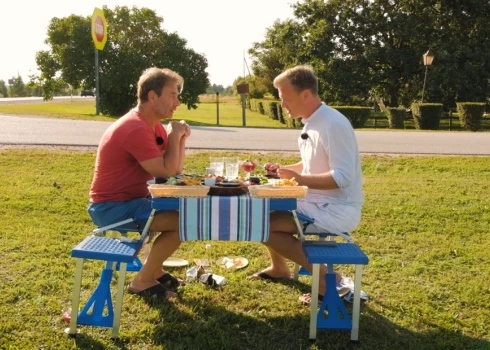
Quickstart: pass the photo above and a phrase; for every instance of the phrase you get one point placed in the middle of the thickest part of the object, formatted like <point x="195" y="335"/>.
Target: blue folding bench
<point x="120" y="254"/>
<point x="332" y="313"/>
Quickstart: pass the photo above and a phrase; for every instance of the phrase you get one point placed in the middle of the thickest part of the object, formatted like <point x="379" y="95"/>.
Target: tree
<point x="3" y="89"/>
<point x="17" y="88"/>
<point x="281" y="48"/>
<point x="135" y="42"/>
<point x="374" y="48"/>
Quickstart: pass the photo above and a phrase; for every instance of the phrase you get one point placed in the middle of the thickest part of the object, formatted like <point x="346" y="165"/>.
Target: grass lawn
<point x="230" y="114"/>
<point x="425" y="229"/>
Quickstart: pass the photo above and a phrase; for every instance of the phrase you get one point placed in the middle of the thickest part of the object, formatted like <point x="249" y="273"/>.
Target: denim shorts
<point x="108" y="213"/>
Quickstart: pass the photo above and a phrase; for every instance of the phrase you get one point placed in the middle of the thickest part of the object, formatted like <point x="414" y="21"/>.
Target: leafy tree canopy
<point x="373" y="49"/>
<point x="17" y="88"/>
<point x="136" y="41"/>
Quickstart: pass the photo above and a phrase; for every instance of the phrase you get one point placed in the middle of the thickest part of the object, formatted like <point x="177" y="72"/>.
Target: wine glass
<point x="248" y="166"/>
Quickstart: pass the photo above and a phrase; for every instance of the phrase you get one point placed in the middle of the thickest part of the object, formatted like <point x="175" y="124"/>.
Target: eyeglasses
<point x="159" y="140"/>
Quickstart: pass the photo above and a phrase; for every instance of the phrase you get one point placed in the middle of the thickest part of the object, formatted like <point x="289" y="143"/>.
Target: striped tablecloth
<point x="234" y="218"/>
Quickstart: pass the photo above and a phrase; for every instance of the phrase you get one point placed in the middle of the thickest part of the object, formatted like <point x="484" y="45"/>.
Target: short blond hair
<point x="300" y="77"/>
<point x="154" y="79"/>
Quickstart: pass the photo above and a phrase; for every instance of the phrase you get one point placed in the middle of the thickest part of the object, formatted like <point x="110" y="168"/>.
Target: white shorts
<point x="336" y="218"/>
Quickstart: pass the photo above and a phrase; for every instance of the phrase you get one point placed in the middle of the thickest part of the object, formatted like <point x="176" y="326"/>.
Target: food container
<point x="157" y="190"/>
<point x="268" y="191"/>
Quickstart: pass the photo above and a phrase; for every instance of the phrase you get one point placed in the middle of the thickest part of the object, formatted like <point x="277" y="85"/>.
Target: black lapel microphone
<point x="159" y="140"/>
<point x="304" y="136"/>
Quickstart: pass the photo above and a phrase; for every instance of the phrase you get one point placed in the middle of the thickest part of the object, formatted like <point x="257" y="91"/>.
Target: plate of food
<point x="228" y="184"/>
<point x="175" y="262"/>
<point x="232" y="262"/>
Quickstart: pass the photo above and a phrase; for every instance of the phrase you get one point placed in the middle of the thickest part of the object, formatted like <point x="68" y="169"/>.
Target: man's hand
<point x="187" y="128"/>
<point x="178" y="129"/>
<point x="271" y="168"/>
<point x="284" y="173"/>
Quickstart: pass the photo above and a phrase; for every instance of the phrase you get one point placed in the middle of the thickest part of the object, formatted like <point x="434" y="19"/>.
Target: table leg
<point x="146" y="230"/>
<point x="119" y="300"/>
<point x="314" y="300"/>
<point x="76" y="297"/>
<point x="357" y="304"/>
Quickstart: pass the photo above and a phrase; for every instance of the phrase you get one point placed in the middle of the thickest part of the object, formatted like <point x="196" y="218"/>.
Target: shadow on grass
<point x="378" y="332"/>
<point x="215" y="327"/>
<point x="84" y="341"/>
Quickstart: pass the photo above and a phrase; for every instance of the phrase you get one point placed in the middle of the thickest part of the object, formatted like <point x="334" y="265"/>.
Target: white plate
<point x="232" y="262"/>
<point x="175" y="262"/>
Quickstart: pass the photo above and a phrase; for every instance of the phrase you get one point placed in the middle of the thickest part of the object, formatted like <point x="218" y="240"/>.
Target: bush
<point x="260" y="107"/>
<point x="273" y="113"/>
<point x="357" y="116"/>
<point x="427" y="116"/>
<point x="280" y="113"/>
<point x="396" y="117"/>
<point x="471" y="114"/>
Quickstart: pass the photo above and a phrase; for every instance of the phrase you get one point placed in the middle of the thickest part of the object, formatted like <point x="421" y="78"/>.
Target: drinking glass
<point x="231" y="167"/>
<point x="248" y="166"/>
<point x="217" y="163"/>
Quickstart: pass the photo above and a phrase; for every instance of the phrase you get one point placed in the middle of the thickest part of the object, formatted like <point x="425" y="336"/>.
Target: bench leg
<point x="295" y="272"/>
<point x="314" y="300"/>
<point x="75" y="301"/>
<point x="119" y="300"/>
<point x="354" y="335"/>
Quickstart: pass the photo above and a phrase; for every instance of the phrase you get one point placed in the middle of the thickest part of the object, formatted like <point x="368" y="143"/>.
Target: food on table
<point x="217" y="177"/>
<point x="184" y="181"/>
<point x="286" y="182"/>
<point x="254" y="180"/>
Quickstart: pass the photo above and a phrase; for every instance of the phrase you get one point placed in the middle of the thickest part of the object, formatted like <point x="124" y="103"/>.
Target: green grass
<point x="425" y="229"/>
<point x="230" y="114"/>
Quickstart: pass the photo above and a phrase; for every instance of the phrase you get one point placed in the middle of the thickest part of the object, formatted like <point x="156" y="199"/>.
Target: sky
<point x="221" y="30"/>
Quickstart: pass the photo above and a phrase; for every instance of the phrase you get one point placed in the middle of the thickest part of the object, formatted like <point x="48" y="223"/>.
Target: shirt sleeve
<point x="141" y="144"/>
<point x="341" y="148"/>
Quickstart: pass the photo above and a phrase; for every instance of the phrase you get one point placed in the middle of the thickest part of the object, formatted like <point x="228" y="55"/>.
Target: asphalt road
<point x="27" y="130"/>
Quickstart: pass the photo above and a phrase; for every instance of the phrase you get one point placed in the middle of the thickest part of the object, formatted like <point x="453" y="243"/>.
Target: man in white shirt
<point x="330" y="166"/>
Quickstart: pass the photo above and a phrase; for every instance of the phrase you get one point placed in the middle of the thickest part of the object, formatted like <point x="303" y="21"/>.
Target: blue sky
<point x="222" y="30"/>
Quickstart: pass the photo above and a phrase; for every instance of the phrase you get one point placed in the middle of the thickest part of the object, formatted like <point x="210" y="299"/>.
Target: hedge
<point x="471" y="114"/>
<point x="427" y="116"/>
<point x="396" y="117"/>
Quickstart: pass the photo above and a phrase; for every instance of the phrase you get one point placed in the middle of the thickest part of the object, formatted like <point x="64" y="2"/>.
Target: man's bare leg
<point x="164" y="246"/>
<point x="283" y="245"/>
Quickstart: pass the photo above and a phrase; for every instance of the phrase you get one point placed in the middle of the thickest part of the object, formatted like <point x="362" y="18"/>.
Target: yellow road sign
<point x="99" y="29"/>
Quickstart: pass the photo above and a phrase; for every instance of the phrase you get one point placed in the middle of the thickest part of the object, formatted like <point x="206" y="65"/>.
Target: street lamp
<point x="428" y="58"/>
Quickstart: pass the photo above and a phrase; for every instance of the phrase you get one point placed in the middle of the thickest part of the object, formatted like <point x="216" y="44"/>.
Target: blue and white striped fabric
<point x="233" y="218"/>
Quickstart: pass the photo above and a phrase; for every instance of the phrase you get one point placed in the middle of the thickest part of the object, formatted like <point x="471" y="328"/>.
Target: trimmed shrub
<point x="357" y="116"/>
<point x="273" y="110"/>
<point x="471" y="114"/>
<point x="260" y="107"/>
<point x="426" y="116"/>
<point x="280" y="113"/>
<point x="396" y="117"/>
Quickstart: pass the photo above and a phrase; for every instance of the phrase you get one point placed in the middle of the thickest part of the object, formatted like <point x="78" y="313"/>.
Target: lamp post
<point x="428" y="58"/>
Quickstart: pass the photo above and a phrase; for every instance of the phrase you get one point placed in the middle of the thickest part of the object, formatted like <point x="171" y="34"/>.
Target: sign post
<point x="243" y="90"/>
<point x="99" y="36"/>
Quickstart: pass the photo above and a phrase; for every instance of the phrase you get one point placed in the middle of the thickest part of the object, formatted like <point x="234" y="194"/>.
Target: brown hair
<point x="154" y="79"/>
<point x="300" y="77"/>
